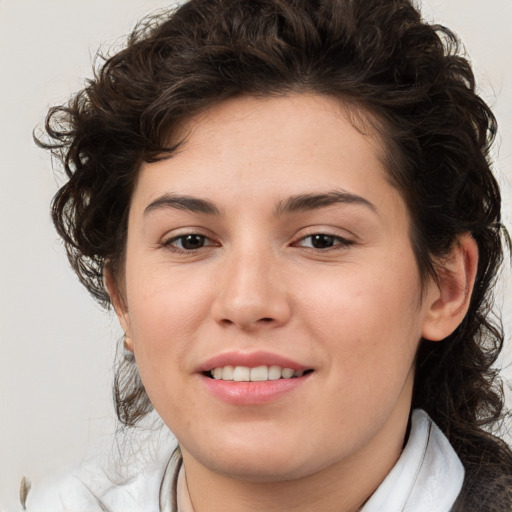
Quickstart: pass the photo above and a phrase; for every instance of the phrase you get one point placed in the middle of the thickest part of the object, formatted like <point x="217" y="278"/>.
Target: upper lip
<point x="251" y="360"/>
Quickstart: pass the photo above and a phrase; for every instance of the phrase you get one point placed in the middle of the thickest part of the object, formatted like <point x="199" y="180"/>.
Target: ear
<point x="448" y="298"/>
<point x="120" y="306"/>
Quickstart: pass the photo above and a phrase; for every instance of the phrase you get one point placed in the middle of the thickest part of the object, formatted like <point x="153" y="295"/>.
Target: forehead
<point x="272" y="148"/>
<point x="286" y="121"/>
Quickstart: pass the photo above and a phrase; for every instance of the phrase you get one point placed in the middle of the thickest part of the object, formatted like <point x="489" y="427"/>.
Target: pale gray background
<point x="56" y="345"/>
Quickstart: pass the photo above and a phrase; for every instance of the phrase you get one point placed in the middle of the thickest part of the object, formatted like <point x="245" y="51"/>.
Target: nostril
<point x="248" y="324"/>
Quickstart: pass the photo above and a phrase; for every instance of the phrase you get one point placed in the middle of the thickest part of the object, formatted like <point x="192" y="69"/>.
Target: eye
<point x="188" y="242"/>
<point x="323" y="241"/>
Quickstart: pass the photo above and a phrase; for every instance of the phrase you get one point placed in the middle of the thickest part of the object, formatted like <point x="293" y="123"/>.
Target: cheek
<point x="164" y="320"/>
<point x="165" y="311"/>
<point x="160" y="298"/>
<point x="369" y="319"/>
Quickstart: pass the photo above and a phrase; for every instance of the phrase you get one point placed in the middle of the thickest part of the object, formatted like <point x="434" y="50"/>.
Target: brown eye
<point x="188" y="242"/>
<point x="322" y="241"/>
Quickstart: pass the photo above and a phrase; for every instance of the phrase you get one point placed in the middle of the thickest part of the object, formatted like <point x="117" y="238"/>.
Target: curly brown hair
<point x="378" y="55"/>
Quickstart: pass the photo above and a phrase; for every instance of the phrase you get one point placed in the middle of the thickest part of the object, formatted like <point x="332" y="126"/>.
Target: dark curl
<point x="379" y="58"/>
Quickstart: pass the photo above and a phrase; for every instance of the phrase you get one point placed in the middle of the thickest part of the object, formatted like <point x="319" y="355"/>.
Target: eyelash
<point x="336" y="241"/>
<point x="168" y="244"/>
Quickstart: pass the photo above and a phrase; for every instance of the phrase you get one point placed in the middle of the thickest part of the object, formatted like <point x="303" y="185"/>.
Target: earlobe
<point x="449" y="296"/>
<point x="119" y="304"/>
<point x="128" y="343"/>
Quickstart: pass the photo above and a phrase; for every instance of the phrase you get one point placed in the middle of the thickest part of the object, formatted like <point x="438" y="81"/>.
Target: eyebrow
<point x="292" y="204"/>
<point x="187" y="203"/>
<point x="304" y="202"/>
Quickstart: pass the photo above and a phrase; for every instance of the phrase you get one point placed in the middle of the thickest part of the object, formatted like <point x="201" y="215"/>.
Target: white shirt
<point x="427" y="477"/>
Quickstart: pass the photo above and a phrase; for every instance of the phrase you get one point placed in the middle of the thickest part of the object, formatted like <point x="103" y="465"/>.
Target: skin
<point x="353" y="312"/>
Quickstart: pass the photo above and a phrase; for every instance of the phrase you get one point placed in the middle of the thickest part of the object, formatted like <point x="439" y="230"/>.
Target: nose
<point x="251" y="293"/>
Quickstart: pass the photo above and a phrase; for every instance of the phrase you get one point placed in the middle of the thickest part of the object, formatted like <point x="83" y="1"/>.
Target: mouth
<point x="254" y="378"/>
<point x="260" y="373"/>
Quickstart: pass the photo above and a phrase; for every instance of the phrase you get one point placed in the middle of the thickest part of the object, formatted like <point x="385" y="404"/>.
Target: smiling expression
<point x="272" y="245"/>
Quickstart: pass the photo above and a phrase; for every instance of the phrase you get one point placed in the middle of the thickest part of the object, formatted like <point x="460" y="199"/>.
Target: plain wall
<point x="56" y="345"/>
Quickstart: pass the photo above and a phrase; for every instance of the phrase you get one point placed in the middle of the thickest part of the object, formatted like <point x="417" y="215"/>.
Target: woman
<point x="289" y="205"/>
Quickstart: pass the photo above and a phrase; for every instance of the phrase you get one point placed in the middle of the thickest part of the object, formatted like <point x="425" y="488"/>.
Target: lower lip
<point x="251" y="393"/>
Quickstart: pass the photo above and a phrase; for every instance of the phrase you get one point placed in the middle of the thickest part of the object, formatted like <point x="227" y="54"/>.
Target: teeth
<point x="287" y="373"/>
<point x="241" y="374"/>
<point x="257" y="374"/>
<point x="274" y="372"/>
<point x="227" y="373"/>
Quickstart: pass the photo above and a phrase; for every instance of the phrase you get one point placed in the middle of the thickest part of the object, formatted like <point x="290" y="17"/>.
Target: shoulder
<point x="62" y="492"/>
<point x="124" y="479"/>
<point x="92" y="489"/>
<point x="488" y="482"/>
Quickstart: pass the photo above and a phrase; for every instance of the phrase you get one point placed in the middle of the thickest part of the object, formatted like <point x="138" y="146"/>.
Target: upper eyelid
<point x="185" y="231"/>
<point x="168" y="240"/>
<point x="336" y="232"/>
<point x="343" y="239"/>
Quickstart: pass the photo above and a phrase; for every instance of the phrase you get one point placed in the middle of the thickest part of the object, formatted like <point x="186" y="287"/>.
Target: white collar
<point x="428" y="475"/>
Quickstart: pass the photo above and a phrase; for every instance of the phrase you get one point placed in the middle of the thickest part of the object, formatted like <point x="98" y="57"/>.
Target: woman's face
<point x="273" y="244"/>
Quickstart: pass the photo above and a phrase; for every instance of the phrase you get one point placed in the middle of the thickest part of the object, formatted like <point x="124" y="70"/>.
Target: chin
<point x="261" y="471"/>
<point x="261" y="463"/>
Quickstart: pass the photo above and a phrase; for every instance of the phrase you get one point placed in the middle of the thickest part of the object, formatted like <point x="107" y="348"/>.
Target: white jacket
<point x="427" y="477"/>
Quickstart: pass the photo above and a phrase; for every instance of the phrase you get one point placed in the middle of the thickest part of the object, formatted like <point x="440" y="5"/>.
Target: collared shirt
<point x="427" y="477"/>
